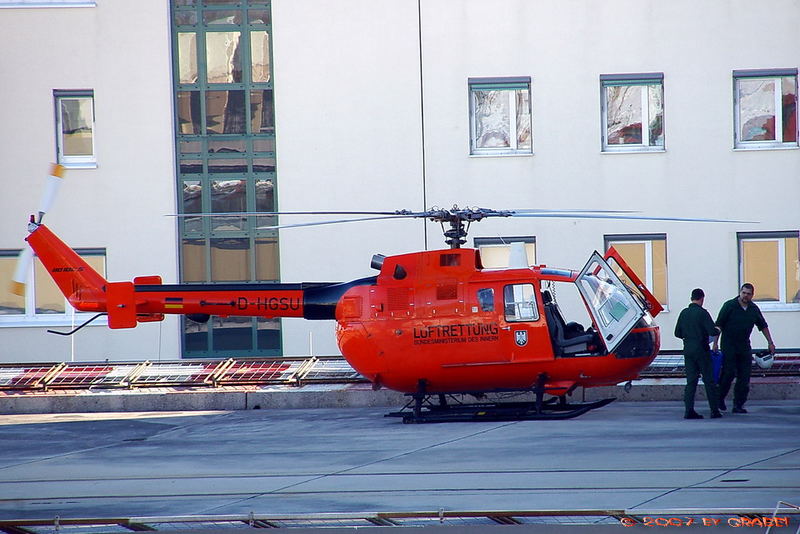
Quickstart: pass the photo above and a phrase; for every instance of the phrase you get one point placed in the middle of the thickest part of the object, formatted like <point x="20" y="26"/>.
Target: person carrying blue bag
<point x="695" y="327"/>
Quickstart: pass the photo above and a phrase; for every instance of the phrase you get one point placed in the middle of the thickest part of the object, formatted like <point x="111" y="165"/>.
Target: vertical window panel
<point x="757" y="109"/>
<point x="192" y="202"/>
<point x="760" y="268"/>
<point x="789" y="108"/>
<point x="656" y="114"/>
<point x="659" y="263"/>
<point x="624" y="104"/>
<point x="10" y="304"/>
<point x="187" y="57"/>
<point x="259" y="54"/>
<point x="223" y="60"/>
<point x="262" y="112"/>
<point x="230" y="260"/>
<point x="194" y="260"/>
<point x="492" y="124"/>
<point x="228" y="196"/>
<point x="266" y="259"/>
<point x="269" y="333"/>
<point x="792" y="269"/>
<point x="265" y="202"/>
<point x="189" y="112"/>
<point x="225" y="112"/>
<point x="48" y="297"/>
<point x="646" y="255"/>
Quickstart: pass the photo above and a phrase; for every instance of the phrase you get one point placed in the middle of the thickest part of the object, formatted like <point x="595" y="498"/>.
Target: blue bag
<point x="716" y="364"/>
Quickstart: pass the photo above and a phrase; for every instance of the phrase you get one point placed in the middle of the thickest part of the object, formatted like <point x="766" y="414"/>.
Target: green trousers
<point x="698" y="363"/>
<point x="736" y="363"/>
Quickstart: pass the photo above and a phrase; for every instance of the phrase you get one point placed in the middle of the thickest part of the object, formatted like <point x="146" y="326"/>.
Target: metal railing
<point x="290" y="371"/>
<point x="783" y="515"/>
<point x="213" y="373"/>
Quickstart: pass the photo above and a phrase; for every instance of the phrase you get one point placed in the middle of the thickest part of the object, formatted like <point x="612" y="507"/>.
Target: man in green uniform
<point x="694" y="327"/>
<point x="736" y="320"/>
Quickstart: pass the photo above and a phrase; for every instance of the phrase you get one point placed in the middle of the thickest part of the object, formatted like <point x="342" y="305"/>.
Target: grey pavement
<point x="278" y="461"/>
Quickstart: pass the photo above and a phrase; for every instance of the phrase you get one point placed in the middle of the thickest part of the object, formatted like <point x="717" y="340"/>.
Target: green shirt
<point x="694" y="327"/>
<point x="737" y="324"/>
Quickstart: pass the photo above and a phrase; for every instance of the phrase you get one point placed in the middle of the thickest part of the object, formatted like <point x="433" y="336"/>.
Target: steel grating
<point x="784" y="514"/>
<point x="256" y="371"/>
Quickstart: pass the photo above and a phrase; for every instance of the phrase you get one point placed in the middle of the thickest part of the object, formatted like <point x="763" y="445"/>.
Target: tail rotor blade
<point x="21" y="272"/>
<point x="54" y="182"/>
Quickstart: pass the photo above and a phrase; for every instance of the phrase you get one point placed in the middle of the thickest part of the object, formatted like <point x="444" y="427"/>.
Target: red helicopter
<point x="430" y="324"/>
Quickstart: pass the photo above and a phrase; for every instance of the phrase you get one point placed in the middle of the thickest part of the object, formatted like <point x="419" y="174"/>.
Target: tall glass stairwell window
<point x="225" y="139"/>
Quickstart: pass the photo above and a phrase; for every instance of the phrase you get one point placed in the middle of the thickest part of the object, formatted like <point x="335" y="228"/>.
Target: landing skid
<point x="424" y="410"/>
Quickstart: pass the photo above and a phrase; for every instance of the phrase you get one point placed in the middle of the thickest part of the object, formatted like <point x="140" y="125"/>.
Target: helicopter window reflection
<point x="486" y="299"/>
<point x="520" y="303"/>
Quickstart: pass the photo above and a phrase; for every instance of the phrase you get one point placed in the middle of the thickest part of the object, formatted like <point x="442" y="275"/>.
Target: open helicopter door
<point x="614" y="309"/>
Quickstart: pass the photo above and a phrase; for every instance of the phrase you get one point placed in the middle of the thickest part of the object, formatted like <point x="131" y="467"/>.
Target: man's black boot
<point x="739" y="409"/>
<point x="722" y="406"/>
<point x="716" y="414"/>
<point x="692" y="415"/>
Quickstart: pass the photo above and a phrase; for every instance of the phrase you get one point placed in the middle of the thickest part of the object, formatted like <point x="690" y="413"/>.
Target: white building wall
<point x="121" y="51"/>
<point x="352" y="104"/>
<point x="565" y="47"/>
<point x="348" y="123"/>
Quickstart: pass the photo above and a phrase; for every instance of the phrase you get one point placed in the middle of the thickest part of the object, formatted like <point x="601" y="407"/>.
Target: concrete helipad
<point x="625" y="456"/>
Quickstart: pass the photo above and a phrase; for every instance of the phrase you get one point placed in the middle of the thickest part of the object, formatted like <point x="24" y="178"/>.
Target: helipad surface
<point x="623" y="456"/>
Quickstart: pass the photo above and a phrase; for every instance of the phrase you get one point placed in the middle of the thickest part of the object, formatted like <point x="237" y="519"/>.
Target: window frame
<point x="649" y="274"/>
<point x="70" y="317"/>
<point x="777" y="75"/>
<point x="642" y="80"/>
<point x="511" y="84"/>
<point x="68" y="161"/>
<point x="780" y="237"/>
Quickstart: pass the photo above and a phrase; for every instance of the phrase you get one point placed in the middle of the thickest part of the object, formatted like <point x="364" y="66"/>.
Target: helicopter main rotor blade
<point x="333" y="221"/>
<point x="627" y="217"/>
<point x="397" y="213"/>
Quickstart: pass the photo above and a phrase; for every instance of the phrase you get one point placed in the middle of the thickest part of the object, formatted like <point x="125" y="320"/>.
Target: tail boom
<point x="146" y="299"/>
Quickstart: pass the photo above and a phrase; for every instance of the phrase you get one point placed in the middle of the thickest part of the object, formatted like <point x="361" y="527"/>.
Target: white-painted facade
<point x="372" y="113"/>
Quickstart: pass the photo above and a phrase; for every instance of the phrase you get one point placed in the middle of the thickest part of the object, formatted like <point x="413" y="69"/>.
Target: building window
<point x="646" y="255"/>
<point x="75" y="128"/>
<point x="765" y="103"/>
<point x="496" y="251"/>
<point x="225" y="148"/>
<point x="771" y="262"/>
<point x="42" y="303"/>
<point x="500" y="116"/>
<point x="632" y="112"/>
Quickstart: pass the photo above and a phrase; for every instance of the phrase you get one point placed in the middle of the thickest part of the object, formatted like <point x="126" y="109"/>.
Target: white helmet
<point x="764" y="359"/>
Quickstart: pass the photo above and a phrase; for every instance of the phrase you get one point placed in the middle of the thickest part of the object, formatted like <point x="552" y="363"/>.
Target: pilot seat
<point x="568" y="339"/>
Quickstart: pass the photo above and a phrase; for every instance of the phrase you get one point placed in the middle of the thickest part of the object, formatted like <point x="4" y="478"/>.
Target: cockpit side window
<point x="520" y="303"/>
<point x="486" y="299"/>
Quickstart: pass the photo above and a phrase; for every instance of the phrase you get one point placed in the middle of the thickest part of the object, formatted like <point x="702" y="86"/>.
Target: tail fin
<point x="83" y="286"/>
